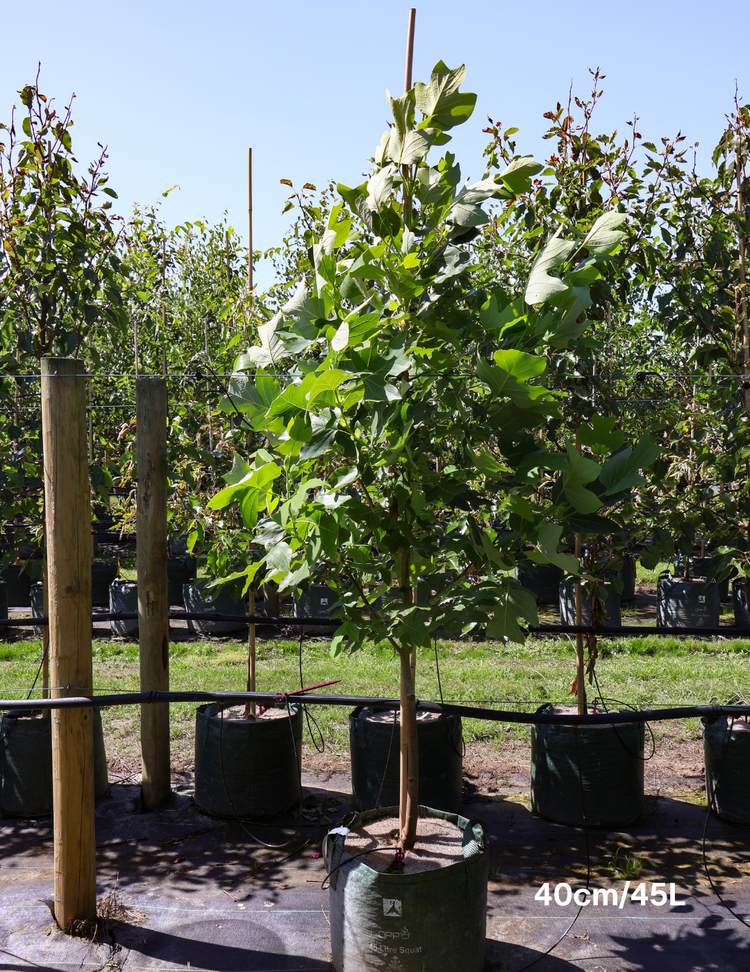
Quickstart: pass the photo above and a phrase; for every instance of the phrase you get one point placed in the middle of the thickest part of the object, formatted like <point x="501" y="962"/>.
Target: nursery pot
<point x="568" y="604"/>
<point x="628" y="578"/>
<point x="37" y="606"/>
<point x="26" y="763"/>
<point x="374" y="748"/>
<point x="18" y="582"/>
<point x="102" y="576"/>
<point x="179" y="572"/>
<point x="687" y="604"/>
<point x="202" y="600"/>
<point x="123" y="599"/>
<point x="699" y="567"/>
<point x="247" y="768"/>
<point x="433" y="920"/>
<point x="726" y="753"/>
<point x="543" y="580"/>
<point x="599" y="768"/>
<point x="316" y="602"/>
<point x="739" y="603"/>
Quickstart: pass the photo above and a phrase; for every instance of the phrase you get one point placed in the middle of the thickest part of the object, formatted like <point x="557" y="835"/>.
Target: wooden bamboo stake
<point x="249" y="244"/>
<point x="741" y="203"/>
<point x="153" y="600"/>
<point x="410" y="670"/>
<point x="250" y="709"/>
<point x="580" y="671"/>
<point x="68" y="524"/>
<point x="410" y="48"/>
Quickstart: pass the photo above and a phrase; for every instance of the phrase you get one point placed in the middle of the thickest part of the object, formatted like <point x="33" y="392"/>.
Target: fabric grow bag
<point x="316" y="602"/>
<point x="686" y="604"/>
<point x="432" y="921"/>
<point x="18" y="580"/>
<point x="179" y="572"/>
<point x="261" y="764"/>
<point x="699" y="567"/>
<point x="726" y="753"/>
<point x="26" y="763"/>
<point x="200" y="599"/>
<point x="568" y="604"/>
<point x="123" y="598"/>
<point x="440" y="761"/>
<point x="543" y="580"/>
<point x="739" y="603"/>
<point x="627" y="574"/>
<point x="102" y="576"/>
<point x="610" y="784"/>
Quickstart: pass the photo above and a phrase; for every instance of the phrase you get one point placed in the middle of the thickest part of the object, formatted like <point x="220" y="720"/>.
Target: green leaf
<point x="341" y="338"/>
<point x="517" y="174"/>
<point x="542" y="286"/>
<point x="514" y="602"/>
<point x="600" y="436"/>
<point x="548" y="541"/>
<point x="441" y="102"/>
<point x="604" y="236"/>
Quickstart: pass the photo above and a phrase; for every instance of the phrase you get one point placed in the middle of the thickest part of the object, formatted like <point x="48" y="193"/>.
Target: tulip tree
<point x="399" y="408"/>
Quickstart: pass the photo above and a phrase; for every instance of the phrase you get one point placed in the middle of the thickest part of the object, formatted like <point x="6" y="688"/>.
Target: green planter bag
<point x="610" y="782"/>
<point x="26" y="763"/>
<point x="247" y="769"/>
<point x="726" y="754"/>
<point x="431" y="921"/>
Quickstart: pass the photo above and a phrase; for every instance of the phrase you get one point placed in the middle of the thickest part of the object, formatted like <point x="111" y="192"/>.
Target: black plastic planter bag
<point x="200" y="599"/>
<point x="543" y="580"/>
<point x="686" y="604"/>
<point x="123" y="599"/>
<point x="608" y="595"/>
<point x="179" y="572"/>
<point x="610" y="784"/>
<point x="26" y="763"/>
<point x="432" y="921"/>
<point x="739" y="603"/>
<point x="375" y="755"/>
<point x="247" y="769"/>
<point x="727" y="758"/>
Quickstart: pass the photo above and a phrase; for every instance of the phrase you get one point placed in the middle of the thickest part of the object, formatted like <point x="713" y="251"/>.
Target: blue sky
<point x="179" y="91"/>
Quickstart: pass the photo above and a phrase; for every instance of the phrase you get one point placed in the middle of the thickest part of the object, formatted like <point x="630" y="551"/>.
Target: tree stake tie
<point x="280" y="697"/>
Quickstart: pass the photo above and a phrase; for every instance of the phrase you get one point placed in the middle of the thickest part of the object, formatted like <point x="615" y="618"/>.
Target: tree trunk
<point x="408" y="810"/>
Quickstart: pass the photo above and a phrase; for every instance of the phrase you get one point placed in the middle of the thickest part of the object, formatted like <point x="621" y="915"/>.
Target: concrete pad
<point x="187" y="891"/>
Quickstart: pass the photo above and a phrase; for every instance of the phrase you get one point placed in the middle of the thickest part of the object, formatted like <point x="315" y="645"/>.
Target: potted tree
<point x="398" y="393"/>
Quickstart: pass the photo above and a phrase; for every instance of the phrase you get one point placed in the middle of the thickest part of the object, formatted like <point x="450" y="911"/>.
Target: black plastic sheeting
<point x="726" y="751"/>
<point x="375" y="753"/>
<point x="247" y="768"/>
<point x="590" y="775"/>
<point x="430" y="920"/>
<point x="26" y="764"/>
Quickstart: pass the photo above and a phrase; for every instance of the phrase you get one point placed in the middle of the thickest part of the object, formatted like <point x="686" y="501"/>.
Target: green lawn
<point x="646" y="672"/>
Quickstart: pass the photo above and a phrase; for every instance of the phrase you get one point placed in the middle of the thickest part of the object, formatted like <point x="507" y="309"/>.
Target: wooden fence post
<point x="153" y="600"/>
<point x="68" y="529"/>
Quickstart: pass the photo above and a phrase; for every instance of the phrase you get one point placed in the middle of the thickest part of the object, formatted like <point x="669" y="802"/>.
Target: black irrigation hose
<point x="469" y="712"/>
<point x="633" y="630"/>
<point x="259" y="619"/>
